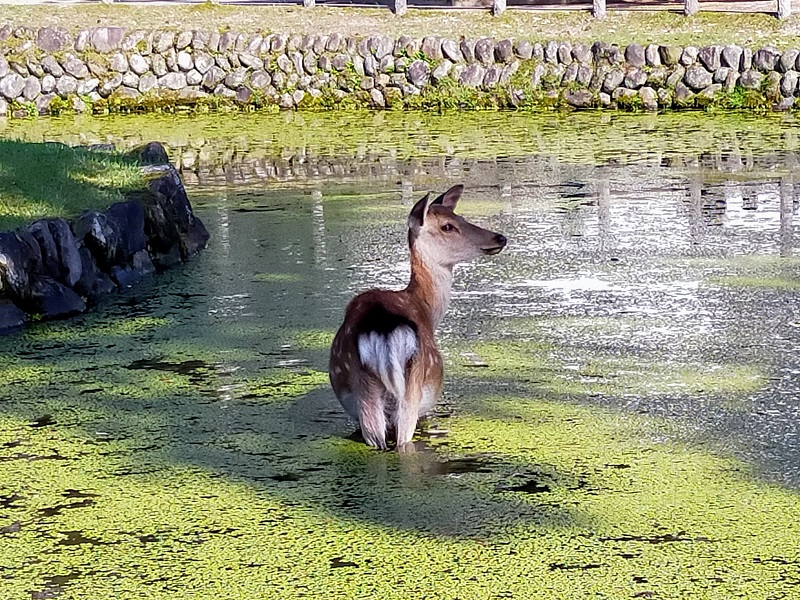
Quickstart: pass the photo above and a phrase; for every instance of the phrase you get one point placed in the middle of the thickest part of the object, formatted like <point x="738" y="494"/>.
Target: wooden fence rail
<point x="498" y="7"/>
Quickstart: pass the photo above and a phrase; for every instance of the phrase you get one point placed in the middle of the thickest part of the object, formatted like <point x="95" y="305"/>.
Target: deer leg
<point x="407" y="413"/>
<point x="372" y="415"/>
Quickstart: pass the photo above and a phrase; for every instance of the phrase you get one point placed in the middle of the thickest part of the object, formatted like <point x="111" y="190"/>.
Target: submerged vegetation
<point x="53" y="180"/>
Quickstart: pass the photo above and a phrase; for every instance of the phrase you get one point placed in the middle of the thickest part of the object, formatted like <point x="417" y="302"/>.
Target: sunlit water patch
<point x="620" y="416"/>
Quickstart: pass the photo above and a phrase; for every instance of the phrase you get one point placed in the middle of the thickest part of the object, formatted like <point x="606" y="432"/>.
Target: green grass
<point x="537" y="25"/>
<point x="53" y="180"/>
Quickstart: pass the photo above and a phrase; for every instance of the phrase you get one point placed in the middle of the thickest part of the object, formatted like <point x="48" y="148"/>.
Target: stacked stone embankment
<point x="50" y="70"/>
<point x="55" y="268"/>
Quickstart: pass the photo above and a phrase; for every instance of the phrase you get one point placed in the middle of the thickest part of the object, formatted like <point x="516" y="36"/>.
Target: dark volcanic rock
<point x="11" y="317"/>
<point x="171" y="196"/>
<point x="130" y="217"/>
<point x="69" y="261"/>
<point x="17" y="261"/>
<point x="54" y="300"/>
<point x="100" y="233"/>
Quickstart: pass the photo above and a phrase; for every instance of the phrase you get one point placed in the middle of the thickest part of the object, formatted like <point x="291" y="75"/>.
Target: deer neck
<point x="430" y="283"/>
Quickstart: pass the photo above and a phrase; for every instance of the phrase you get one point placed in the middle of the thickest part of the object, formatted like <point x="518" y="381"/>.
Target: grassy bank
<point x="619" y="27"/>
<point x="49" y="180"/>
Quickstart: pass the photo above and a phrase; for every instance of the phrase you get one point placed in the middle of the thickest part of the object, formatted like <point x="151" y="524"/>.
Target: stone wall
<point x="54" y="268"/>
<point x="109" y="68"/>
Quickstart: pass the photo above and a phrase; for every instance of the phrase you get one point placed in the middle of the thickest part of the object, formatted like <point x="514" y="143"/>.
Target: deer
<point x="385" y="366"/>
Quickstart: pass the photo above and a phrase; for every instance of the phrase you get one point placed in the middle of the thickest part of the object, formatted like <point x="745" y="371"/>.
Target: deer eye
<point x="447" y="227"/>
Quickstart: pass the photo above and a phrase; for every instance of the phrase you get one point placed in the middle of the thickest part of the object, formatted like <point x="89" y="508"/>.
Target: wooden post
<point x="599" y="9"/>
<point x="498" y="7"/>
<point x="308" y="3"/>
<point x="398" y="7"/>
<point x="691" y="7"/>
<point x="784" y="9"/>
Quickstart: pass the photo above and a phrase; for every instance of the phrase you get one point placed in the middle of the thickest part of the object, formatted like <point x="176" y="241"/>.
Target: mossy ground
<point x="54" y="180"/>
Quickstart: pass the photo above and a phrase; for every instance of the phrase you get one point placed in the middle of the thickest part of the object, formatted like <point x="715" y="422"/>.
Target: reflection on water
<point x="651" y="270"/>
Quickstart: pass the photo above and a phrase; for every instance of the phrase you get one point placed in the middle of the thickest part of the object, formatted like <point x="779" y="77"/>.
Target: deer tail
<point x="387" y="355"/>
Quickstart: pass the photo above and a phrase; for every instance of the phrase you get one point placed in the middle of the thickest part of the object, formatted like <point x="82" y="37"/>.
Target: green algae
<point x="277" y="277"/>
<point x="285" y="385"/>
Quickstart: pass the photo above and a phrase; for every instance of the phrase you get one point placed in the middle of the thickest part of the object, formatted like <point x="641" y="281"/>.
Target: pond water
<point x="621" y="402"/>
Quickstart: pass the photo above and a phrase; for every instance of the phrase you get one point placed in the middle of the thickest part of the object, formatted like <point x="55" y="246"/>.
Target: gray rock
<point x="584" y="76"/>
<point x="298" y="96"/>
<point x="87" y="86"/>
<point x="11" y="86"/>
<point x="649" y="98"/>
<point x="537" y="52"/>
<point x="106" y="39"/>
<point x="670" y="55"/>
<point x="432" y="47"/>
<point x="689" y="56"/>
<point x="34" y="68"/>
<point x="310" y="63"/>
<point x="731" y="57"/>
<point x="766" y="59"/>
<point x="194" y="77"/>
<point x="124" y="92"/>
<point x="492" y="76"/>
<point x="279" y="41"/>
<point x="634" y="55"/>
<point x="54" y="300"/>
<point x="3" y="107"/>
<point x="118" y="62"/>
<point x="418" y="73"/>
<point x="183" y="40"/>
<point x="384" y="47"/>
<point x="75" y="66"/>
<point x="441" y="71"/>
<point x="243" y="95"/>
<point x="260" y="80"/>
<point x="107" y="86"/>
<point x="147" y="82"/>
<point x="339" y="62"/>
<point x="784" y="104"/>
<point x="227" y="41"/>
<point x="4" y="68"/>
<point x="508" y="72"/>
<point x="708" y="94"/>
<point x="47" y="84"/>
<point x="604" y="99"/>
<point x="52" y="39"/>
<point x="451" y="51"/>
<point x="367" y="83"/>
<point x="254" y="62"/>
<point x="747" y="60"/>
<point x="472" y="76"/>
<point x="171" y="58"/>
<point x="279" y="80"/>
<point x="200" y="40"/>
<point x="484" y="51"/>
<point x="564" y="53"/>
<point x="82" y="40"/>
<point x="582" y="53"/>
<point x="130" y="79"/>
<point x="50" y="65"/>
<point x="285" y="64"/>
<point x="377" y="98"/>
<point x="203" y="62"/>
<point x="551" y="51"/>
<point x="236" y="78"/>
<point x="579" y="98"/>
<point x="139" y="64"/>
<point x="682" y="95"/>
<point x="652" y="55"/>
<point x="173" y="81"/>
<point x="467" y="48"/>
<point x="19" y="67"/>
<point x="504" y="51"/>
<point x="613" y="80"/>
<point x="358" y="65"/>
<point x="159" y="65"/>
<point x="788" y="60"/>
<point x="624" y="95"/>
<point x="571" y="73"/>
<point x="710" y="57"/>
<point x="334" y="44"/>
<point x="221" y="91"/>
<point x="676" y="76"/>
<point x="751" y="80"/>
<point x="185" y="61"/>
<point x="78" y="105"/>
<point x="11" y="317"/>
<point x="67" y="257"/>
<point x="772" y="88"/>
<point x="721" y="74"/>
<point x="697" y="78"/>
<point x="731" y="81"/>
<point x="43" y="102"/>
<point x="789" y="83"/>
<point x="387" y="64"/>
<point x="635" y="77"/>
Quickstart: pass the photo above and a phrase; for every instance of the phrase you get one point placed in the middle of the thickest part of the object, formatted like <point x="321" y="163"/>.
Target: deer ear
<point x="417" y="215"/>
<point x="450" y="198"/>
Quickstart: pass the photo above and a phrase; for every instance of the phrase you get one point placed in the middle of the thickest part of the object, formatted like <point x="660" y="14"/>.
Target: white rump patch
<point x="387" y="355"/>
